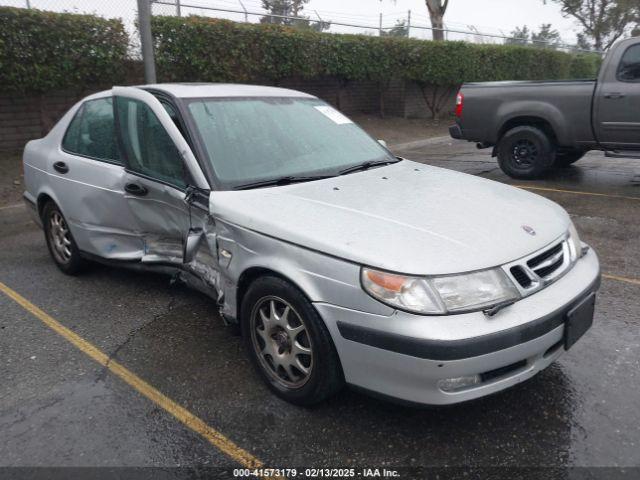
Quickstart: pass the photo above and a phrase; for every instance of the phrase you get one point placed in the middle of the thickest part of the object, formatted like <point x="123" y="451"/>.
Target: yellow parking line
<point x="577" y="192"/>
<point x="633" y="281"/>
<point x="183" y="415"/>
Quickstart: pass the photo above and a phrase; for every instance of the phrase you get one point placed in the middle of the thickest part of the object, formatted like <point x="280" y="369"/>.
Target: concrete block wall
<point x="23" y="118"/>
<point x="415" y="106"/>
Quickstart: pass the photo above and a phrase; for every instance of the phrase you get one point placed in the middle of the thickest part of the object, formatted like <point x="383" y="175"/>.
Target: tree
<point x="519" y="36"/>
<point x="437" y="9"/>
<point x="547" y="37"/>
<point x="399" y="30"/>
<point x="582" y="42"/>
<point x="290" y="8"/>
<point x="602" y="21"/>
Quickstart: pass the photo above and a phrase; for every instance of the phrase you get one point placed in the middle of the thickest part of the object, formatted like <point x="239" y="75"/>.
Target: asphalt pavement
<point x="59" y="406"/>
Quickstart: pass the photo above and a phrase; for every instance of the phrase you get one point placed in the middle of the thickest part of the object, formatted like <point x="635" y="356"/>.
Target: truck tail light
<point x="459" y="104"/>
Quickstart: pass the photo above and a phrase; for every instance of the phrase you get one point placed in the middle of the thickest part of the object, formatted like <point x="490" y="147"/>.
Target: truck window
<point x="629" y="69"/>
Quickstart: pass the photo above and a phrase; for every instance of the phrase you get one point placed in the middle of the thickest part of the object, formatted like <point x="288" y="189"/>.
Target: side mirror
<point x="191" y="243"/>
<point x="383" y="143"/>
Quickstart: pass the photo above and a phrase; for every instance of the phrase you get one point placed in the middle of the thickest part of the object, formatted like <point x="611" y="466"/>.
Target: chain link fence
<point x="407" y="23"/>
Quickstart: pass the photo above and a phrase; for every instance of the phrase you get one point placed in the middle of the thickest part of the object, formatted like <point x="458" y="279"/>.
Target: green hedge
<point x="41" y="51"/>
<point x="204" y="49"/>
<point x="585" y="65"/>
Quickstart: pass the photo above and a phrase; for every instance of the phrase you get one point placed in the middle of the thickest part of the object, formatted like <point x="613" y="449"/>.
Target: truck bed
<point x="490" y="106"/>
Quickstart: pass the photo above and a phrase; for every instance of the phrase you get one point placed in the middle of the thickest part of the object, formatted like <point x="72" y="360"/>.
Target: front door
<point x="159" y="167"/>
<point x="617" y="102"/>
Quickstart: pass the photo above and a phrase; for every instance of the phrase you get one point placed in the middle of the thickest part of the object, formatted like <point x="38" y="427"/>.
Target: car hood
<point x="406" y="217"/>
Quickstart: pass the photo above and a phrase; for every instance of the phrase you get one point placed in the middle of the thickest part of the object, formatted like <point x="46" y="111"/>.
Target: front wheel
<point x="288" y="342"/>
<point x="525" y="153"/>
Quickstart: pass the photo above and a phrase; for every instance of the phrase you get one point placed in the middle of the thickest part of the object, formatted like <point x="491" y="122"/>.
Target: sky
<point x="490" y="16"/>
<point x="486" y="15"/>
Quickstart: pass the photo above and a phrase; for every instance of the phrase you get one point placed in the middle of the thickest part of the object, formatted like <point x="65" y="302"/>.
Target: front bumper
<point x="404" y="356"/>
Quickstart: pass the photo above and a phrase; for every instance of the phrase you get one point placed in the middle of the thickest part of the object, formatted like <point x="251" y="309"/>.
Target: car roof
<point x="203" y="90"/>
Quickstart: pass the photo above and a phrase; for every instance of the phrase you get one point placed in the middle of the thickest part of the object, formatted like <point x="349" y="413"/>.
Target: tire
<point x="564" y="159"/>
<point x="62" y="247"/>
<point x="525" y="153"/>
<point x="272" y="338"/>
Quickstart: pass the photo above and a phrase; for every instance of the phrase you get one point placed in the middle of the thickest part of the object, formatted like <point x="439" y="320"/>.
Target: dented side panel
<point x="91" y="197"/>
<point x="322" y="278"/>
<point x="161" y="217"/>
<point x="163" y="220"/>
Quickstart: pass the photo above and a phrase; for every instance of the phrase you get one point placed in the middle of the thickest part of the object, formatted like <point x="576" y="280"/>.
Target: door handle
<point x="135" y="189"/>
<point x="61" y="167"/>
<point x="614" y="95"/>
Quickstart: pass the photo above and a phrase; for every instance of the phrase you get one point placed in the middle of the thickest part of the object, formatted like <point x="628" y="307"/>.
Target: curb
<point x="422" y="143"/>
<point x="14" y="205"/>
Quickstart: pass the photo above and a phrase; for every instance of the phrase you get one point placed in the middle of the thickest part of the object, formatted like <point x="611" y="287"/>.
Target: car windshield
<point x="255" y="139"/>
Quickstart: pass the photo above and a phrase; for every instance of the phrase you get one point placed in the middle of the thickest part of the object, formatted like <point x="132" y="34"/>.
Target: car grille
<point x="541" y="268"/>
<point x="547" y="262"/>
<point x="521" y="276"/>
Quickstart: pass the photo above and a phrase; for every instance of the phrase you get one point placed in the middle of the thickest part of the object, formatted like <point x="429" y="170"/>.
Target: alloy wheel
<point x="60" y="237"/>
<point x="281" y="341"/>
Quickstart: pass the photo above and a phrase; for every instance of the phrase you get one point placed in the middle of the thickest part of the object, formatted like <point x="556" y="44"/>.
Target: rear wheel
<point x="60" y="242"/>
<point x="525" y="153"/>
<point x="288" y="342"/>
<point x="564" y="159"/>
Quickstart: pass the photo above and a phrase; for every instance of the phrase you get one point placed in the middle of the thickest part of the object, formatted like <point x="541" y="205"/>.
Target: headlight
<point x="440" y="295"/>
<point x="475" y="290"/>
<point x="575" y="245"/>
<point x="407" y="293"/>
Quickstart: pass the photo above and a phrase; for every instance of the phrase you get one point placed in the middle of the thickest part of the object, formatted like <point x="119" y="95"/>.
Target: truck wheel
<point x="288" y="342"/>
<point x="525" y="153"/>
<point x="564" y="159"/>
<point x="62" y="246"/>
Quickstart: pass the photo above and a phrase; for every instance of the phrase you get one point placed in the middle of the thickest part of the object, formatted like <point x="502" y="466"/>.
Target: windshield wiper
<point x="367" y="166"/>
<point x="287" y="180"/>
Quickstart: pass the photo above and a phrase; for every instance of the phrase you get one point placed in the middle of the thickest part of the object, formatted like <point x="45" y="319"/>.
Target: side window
<point x="149" y="149"/>
<point x="629" y="69"/>
<point x="174" y="116"/>
<point x="91" y="133"/>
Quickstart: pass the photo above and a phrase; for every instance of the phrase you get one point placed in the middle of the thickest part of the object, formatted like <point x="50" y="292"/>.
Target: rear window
<point x="92" y="132"/>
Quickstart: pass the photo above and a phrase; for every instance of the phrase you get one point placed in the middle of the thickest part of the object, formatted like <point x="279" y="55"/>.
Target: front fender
<point x="320" y="277"/>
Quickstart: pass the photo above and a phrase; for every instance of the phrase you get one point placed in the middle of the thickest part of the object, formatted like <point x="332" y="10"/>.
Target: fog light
<point x="459" y="383"/>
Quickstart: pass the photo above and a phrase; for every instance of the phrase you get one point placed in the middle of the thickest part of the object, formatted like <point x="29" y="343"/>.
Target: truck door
<point x="617" y="101"/>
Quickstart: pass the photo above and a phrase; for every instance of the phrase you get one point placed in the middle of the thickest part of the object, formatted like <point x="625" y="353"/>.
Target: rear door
<point x="617" y="102"/>
<point x="86" y="175"/>
<point x="159" y="167"/>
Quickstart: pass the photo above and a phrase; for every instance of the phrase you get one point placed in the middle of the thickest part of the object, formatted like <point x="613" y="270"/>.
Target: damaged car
<point x="341" y="263"/>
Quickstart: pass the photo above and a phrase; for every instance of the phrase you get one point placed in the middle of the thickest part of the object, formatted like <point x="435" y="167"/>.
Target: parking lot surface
<point x="58" y="406"/>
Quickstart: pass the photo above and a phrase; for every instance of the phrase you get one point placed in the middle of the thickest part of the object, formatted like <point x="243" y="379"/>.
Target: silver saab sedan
<point x="340" y="262"/>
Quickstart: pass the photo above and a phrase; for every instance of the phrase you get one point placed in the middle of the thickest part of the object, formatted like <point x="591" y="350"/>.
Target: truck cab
<point x="616" y="103"/>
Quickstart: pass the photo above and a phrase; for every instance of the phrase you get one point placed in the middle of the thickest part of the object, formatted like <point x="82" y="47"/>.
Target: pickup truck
<point x="536" y="126"/>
